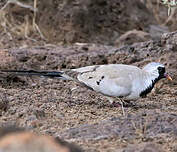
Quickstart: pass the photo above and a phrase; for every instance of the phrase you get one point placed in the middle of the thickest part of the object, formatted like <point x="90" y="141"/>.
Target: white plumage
<point x="119" y="80"/>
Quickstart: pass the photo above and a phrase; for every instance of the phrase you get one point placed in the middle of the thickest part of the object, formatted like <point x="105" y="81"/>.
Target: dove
<point x="115" y="81"/>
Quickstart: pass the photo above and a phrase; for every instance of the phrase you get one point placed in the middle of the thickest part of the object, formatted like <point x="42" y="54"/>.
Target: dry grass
<point x="23" y="24"/>
<point x="156" y="6"/>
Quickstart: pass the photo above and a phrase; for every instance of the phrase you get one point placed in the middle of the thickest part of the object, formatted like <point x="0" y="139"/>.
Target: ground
<point x="76" y="114"/>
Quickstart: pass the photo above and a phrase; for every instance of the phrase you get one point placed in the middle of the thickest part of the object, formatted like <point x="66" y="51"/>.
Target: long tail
<point x="50" y="74"/>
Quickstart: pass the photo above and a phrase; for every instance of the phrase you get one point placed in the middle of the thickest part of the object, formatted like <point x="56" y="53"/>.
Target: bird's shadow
<point x="133" y="105"/>
<point x="137" y="106"/>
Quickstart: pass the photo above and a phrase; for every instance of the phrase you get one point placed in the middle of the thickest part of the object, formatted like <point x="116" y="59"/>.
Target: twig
<point x="169" y="4"/>
<point x="171" y="16"/>
<point x="33" y="8"/>
<point x="35" y="26"/>
<point x="19" y="4"/>
<point x="27" y="29"/>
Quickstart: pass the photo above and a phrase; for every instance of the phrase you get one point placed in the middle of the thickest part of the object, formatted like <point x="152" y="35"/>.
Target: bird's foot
<point x="116" y="104"/>
<point x="119" y="104"/>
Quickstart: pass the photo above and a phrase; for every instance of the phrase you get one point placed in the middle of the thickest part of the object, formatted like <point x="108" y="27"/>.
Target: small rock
<point x="39" y="114"/>
<point x="20" y="141"/>
<point x="131" y="37"/>
<point x="148" y="147"/>
<point x="156" y="31"/>
<point x="3" y="103"/>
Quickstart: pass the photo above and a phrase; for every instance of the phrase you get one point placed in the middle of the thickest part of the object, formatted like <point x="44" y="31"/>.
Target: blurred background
<point x="115" y="22"/>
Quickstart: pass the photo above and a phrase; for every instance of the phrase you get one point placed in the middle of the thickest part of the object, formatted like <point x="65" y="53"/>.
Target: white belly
<point x="110" y="88"/>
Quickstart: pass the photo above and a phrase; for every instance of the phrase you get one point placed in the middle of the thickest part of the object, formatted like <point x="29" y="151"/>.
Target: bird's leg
<point x="115" y="104"/>
<point x="122" y="105"/>
<point x="111" y="100"/>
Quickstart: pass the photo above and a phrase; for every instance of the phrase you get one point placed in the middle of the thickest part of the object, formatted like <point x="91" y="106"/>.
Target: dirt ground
<point x="74" y="113"/>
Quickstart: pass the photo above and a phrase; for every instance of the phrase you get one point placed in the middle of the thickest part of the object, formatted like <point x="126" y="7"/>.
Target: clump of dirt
<point x="14" y="139"/>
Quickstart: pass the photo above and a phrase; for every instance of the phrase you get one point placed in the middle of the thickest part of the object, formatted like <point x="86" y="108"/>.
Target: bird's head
<point x="157" y="69"/>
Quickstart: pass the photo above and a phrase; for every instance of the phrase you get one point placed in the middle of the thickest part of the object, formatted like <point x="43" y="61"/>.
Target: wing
<point x="110" y="80"/>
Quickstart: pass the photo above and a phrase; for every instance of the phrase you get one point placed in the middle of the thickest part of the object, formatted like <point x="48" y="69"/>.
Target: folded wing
<point x="110" y="80"/>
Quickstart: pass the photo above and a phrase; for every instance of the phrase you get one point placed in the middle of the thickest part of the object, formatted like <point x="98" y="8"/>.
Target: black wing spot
<point x="98" y="82"/>
<point x="90" y="77"/>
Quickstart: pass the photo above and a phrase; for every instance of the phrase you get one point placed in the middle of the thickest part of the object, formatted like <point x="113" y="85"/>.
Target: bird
<point x="115" y="81"/>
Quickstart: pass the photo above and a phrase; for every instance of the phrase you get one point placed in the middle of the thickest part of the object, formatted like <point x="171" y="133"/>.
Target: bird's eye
<point x="161" y="69"/>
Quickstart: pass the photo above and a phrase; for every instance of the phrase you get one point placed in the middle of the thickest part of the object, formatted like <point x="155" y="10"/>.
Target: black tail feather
<point x="51" y="74"/>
